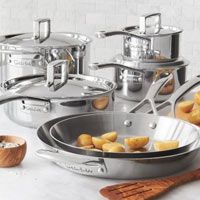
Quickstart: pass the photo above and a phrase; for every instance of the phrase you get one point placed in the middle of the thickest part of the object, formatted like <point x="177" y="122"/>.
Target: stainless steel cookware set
<point x="59" y="137"/>
<point x="46" y="82"/>
<point x="150" y="51"/>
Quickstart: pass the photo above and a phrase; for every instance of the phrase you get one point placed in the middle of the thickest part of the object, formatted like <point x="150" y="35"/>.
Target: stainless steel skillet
<point x="158" y="128"/>
<point x="111" y="167"/>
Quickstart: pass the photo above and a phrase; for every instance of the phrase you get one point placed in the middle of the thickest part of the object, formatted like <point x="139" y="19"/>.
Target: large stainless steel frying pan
<point x="111" y="167"/>
<point x="158" y="128"/>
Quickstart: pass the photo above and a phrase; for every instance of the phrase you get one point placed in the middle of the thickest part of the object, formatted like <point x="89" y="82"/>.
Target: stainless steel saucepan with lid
<point x="150" y="40"/>
<point x="33" y="100"/>
<point x="29" y="53"/>
<point x="129" y="124"/>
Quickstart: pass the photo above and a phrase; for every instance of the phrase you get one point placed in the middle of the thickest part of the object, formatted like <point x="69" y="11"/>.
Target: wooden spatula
<point x="147" y="189"/>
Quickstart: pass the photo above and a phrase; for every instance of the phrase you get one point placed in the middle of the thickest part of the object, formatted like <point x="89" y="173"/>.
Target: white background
<point x="88" y="16"/>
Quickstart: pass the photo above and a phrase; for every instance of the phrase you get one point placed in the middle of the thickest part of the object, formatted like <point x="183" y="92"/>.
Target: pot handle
<point x="64" y="65"/>
<point x="97" y="66"/>
<point x="119" y="62"/>
<point x="103" y="34"/>
<point x="37" y="29"/>
<point x="152" y="92"/>
<point x="180" y="92"/>
<point x="143" y="22"/>
<point x="89" y="167"/>
<point x="8" y="97"/>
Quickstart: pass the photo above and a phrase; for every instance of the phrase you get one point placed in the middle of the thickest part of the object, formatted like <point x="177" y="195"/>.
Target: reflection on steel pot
<point x="29" y="53"/>
<point x="150" y="40"/>
<point x="105" y="166"/>
<point x="30" y="101"/>
<point x="134" y="78"/>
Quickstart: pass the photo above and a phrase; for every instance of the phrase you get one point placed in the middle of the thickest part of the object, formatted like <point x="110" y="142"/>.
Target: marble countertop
<point x="40" y="179"/>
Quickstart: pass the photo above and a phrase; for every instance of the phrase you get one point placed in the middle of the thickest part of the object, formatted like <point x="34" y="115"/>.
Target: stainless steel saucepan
<point x="33" y="100"/>
<point x="127" y="124"/>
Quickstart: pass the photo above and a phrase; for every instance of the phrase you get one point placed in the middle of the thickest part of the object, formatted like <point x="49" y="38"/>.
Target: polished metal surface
<point x="66" y="132"/>
<point x="150" y="51"/>
<point x="149" y="41"/>
<point x="29" y="102"/>
<point x="134" y="78"/>
<point x="26" y="54"/>
<point x="106" y="167"/>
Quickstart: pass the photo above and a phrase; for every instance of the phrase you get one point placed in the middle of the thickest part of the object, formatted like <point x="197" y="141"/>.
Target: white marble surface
<point x="39" y="179"/>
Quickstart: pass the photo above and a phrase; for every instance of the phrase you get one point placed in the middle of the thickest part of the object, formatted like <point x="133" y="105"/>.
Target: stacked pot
<point x="150" y="51"/>
<point x="41" y="76"/>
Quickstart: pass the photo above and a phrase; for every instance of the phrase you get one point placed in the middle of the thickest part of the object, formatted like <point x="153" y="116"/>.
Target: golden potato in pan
<point x="136" y="142"/>
<point x="111" y="136"/>
<point x="186" y="106"/>
<point x="117" y="149"/>
<point x="84" y="140"/>
<point x="166" y="145"/>
<point x="99" y="142"/>
<point x="108" y="146"/>
<point x="194" y="117"/>
<point x="197" y="98"/>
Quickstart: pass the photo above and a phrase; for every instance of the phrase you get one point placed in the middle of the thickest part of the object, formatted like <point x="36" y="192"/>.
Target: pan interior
<point x="164" y="128"/>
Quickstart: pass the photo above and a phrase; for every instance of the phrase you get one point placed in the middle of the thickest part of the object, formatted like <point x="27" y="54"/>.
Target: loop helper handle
<point x="64" y="65"/>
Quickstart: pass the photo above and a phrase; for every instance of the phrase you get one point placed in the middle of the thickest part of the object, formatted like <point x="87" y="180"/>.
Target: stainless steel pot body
<point x="134" y="85"/>
<point x="106" y="167"/>
<point x="134" y="78"/>
<point x="150" y="41"/>
<point x="33" y="113"/>
<point x="19" y="61"/>
<point x="160" y="48"/>
<point x="31" y="101"/>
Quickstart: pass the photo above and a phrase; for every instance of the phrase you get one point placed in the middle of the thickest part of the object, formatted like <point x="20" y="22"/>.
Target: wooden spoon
<point x="147" y="189"/>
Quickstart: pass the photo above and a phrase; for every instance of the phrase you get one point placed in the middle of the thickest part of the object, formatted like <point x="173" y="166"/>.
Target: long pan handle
<point x="180" y="92"/>
<point x="85" y="167"/>
<point x="153" y="91"/>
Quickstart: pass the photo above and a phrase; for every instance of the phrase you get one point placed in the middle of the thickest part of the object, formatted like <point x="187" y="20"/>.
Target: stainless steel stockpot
<point x="150" y="40"/>
<point x="29" y="53"/>
<point x="33" y="100"/>
<point x="134" y="78"/>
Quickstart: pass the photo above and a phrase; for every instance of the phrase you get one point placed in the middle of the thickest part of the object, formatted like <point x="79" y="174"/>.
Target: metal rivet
<point x="101" y="170"/>
<point x="128" y="123"/>
<point x="152" y="125"/>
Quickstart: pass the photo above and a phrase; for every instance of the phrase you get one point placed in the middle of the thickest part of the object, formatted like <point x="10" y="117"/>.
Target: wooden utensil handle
<point x="186" y="177"/>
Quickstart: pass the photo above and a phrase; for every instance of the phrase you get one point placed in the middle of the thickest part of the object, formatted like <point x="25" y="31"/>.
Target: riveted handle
<point x="37" y="32"/>
<point x="143" y="22"/>
<point x="74" y="162"/>
<point x="51" y="67"/>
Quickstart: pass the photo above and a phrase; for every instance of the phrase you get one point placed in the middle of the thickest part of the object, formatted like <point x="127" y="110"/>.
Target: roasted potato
<point x="186" y="106"/>
<point x="101" y="103"/>
<point x="136" y="142"/>
<point x="166" y="145"/>
<point x="108" y="146"/>
<point x="197" y="98"/>
<point x="117" y="149"/>
<point x="141" y="150"/>
<point x="98" y="142"/>
<point x="194" y="117"/>
<point x="88" y="147"/>
<point x="181" y="115"/>
<point x="111" y="136"/>
<point x="84" y="140"/>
